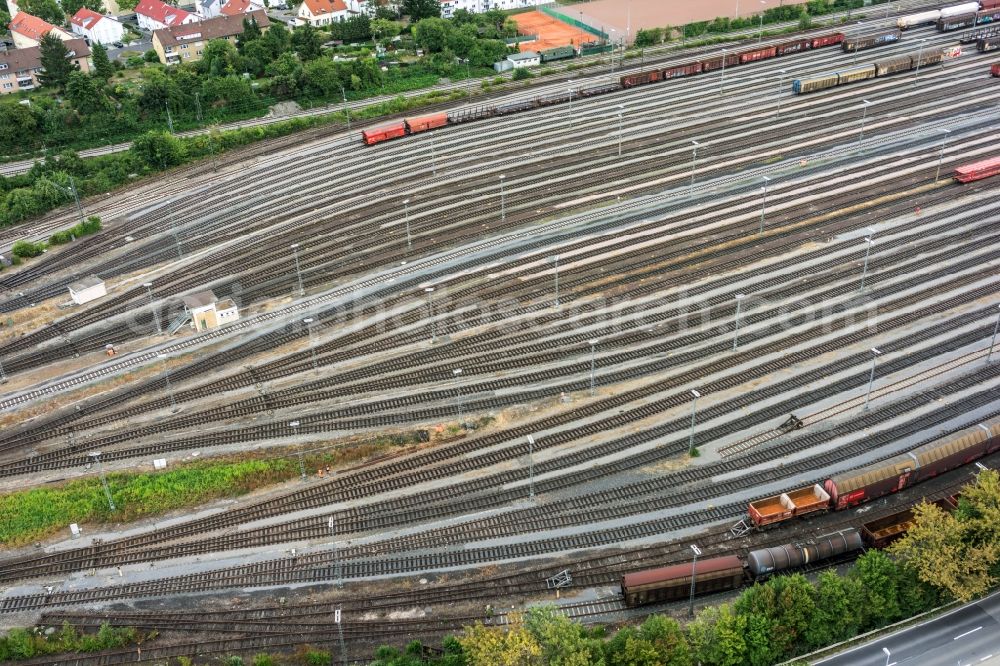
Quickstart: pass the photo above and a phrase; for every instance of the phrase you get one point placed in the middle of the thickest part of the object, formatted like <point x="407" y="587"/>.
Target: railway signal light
<point x="694" y="410"/>
<point x="694" y="565"/>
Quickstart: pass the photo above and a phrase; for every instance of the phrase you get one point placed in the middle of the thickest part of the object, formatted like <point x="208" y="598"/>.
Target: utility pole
<point x="944" y="138"/>
<point x="781" y="84"/>
<point x="430" y="313"/>
<point x="763" y="205"/>
<point x="864" y="115"/>
<point x="406" y="212"/>
<point x="864" y="271"/>
<point x="621" y="110"/>
<point x="340" y="636"/>
<point x="197" y="106"/>
<point x="694" y="159"/>
<point x="337" y="573"/>
<point x="166" y="377"/>
<point x="555" y="260"/>
<point x="156" y="315"/>
<point x="531" y="468"/>
<point x="739" y="304"/>
<point x="294" y="425"/>
<point x="347" y="109"/>
<point x="871" y="378"/>
<point x="96" y="455"/>
<point x="993" y="342"/>
<point x="694" y="410"/>
<point x="170" y="120"/>
<point x="593" y="361"/>
<point x="298" y="270"/>
<point x="722" y="79"/>
<point x="503" y="201"/>
<point x="694" y="569"/>
<point x="457" y="372"/>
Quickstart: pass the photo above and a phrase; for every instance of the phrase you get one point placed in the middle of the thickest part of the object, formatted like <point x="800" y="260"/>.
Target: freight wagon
<point x="785" y="506"/>
<point x="558" y="53"/>
<point x="769" y="561"/>
<point x="987" y="17"/>
<point x="989" y="4"/>
<point x="880" y="533"/>
<point x="710" y="64"/>
<point x="852" y="44"/>
<point x="995" y="69"/>
<point x="956" y="23"/>
<point x="977" y="171"/>
<point x="973" y="36"/>
<point x="988" y="44"/>
<point x="671" y="583"/>
<point x="758" y="54"/>
<point x="883" y="67"/>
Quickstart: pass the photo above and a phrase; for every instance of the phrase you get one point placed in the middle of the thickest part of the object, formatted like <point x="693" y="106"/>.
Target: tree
<point x="877" y="576"/>
<point x="251" y="31"/>
<point x="489" y="646"/>
<point x="421" y="9"/>
<point x="307" y="43"/>
<point x="562" y="640"/>
<point x="384" y="28"/>
<point x="432" y="34"/>
<point x="355" y="29"/>
<point x="47" y="10"/>
<point x="71" y="7"/>
<point x="84" y="93"/>
<point x="836" y="617"/>
<point x="158" y="149"/>
<point x="17" y="123"/>
<point x="219" y="58"/>
<point x="56" y="65"/>
<point x="957" y="552"/>
<point x="103" y="70"/>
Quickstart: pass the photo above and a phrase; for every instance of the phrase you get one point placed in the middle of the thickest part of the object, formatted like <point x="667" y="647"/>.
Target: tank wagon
<point x="769" y="561"/>
<point x="932" y="16"/>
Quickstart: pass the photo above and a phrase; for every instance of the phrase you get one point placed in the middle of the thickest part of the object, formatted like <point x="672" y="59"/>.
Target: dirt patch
<point x="551" y="33"/>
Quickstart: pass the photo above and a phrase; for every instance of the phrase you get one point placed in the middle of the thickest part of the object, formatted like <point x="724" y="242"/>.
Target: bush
<point x="521" y="74"/>
<point x="25" y="249"/>
<point x="89" y="226"/>
<point x="263" y="660"/>
<point x="151" y="56"/>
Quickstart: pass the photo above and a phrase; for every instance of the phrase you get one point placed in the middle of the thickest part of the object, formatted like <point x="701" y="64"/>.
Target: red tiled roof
<point x="317" y="7"/>
<point x="161" y="12"/>
<point x="213" y="28"/>
<point x="86" y="18"/>
<point x="30" y="26"/>
<point x="235" y="7"/>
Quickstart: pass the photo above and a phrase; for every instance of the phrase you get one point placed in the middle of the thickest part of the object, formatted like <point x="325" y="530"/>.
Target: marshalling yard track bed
<point x="582" y="303"/>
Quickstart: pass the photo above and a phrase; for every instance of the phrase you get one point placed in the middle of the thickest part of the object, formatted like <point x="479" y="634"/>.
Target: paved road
<point x="969" y="636"/>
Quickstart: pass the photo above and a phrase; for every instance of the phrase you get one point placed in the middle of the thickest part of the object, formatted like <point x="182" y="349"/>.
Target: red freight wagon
<point x="758" y="54"/>
<point x="669" y="583"/>
<point x="682" y="70"/>
<point x="978" y="170"/>
<point x="788" y="505"/>
<point x="711" y="64"/>
<point x="989" y="4"/>
<point x="384" y="133"/>
<point x="794" y="47"/>
<point x="923" y="462"/>
<point x="425" y="123"/>
<point x="995" y="69"/>
<point x="831" y="39"/>
<point x="641" y="78"/>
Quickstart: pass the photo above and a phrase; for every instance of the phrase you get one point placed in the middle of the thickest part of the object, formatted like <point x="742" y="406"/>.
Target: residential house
<point x="28" y="30"/>
<point x="449" y="7"/>
<point x="96" y="27"/>
<point x="19" y="67"/>
<point x="321" y="12"/>
<point x="240" y="7"/>
<point x="207" y="9"/>
<point x="185" y="43"/>
<point x="156" y="15"/>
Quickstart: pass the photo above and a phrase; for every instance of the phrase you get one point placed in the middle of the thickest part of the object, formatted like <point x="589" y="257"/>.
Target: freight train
<point x="877" y="69"/>
<point x="839" y="492"/>
<point x="421" y="124"/>
<point x="947" y="14"/>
